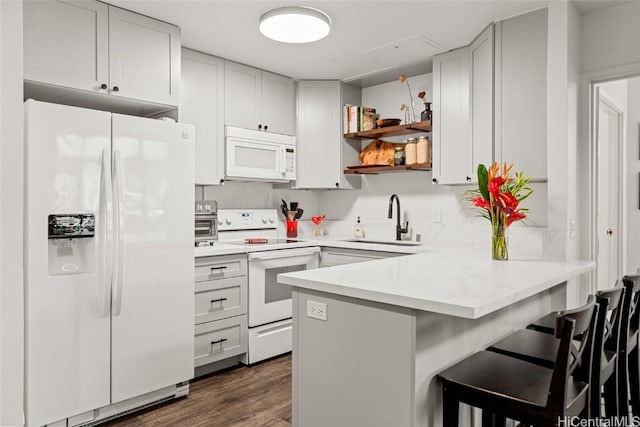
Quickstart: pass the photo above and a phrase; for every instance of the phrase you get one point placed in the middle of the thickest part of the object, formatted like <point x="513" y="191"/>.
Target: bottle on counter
<point x="422" y="151"/>
<point x="358" y="232"/>
<point x="398" y="156"/>
<point x="410" y="151"/>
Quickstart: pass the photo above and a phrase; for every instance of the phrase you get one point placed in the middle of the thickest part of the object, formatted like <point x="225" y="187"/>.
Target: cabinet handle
<point x="222" y="267"/>
<point x="337" y="184"/>
<point x="103" y="86"/>
<point x="221" y="180"/>
<point x="218" y="300"/>
<point x="115" y="89"/>
<point x="259" y="126"/>
<point x="468" y="179"/>
<point x="266" y="127"/>
<point x="435" y="180"/>
<point x="220" y="341"/>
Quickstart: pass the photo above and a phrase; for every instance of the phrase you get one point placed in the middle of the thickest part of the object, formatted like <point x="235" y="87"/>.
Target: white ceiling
<point x="370" y="40"/>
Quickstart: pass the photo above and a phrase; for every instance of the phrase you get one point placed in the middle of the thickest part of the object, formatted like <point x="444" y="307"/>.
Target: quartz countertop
<point x="452" y="281"/>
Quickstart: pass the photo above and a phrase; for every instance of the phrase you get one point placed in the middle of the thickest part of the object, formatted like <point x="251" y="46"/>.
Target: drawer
<point x="219" y="299"/>
<point x="220" y="267"/>
<point x="220" y="339"/>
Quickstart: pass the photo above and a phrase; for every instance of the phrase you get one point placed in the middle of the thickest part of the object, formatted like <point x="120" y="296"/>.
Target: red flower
<point x="507" y="202"/>
<point x="515" y="217"/>
<point x="317" y="219"/>
<point x="480" y="202"/>
<point x="495" y="184"/>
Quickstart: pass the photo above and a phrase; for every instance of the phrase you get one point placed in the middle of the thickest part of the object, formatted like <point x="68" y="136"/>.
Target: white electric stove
<point x="270" y="309"/>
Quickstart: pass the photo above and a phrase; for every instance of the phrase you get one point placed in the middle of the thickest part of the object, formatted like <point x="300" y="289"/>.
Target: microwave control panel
<point x="290" y="160"/>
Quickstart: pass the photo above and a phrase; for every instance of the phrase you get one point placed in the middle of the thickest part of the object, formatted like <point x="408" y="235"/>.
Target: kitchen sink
<point x="385" y="242"/>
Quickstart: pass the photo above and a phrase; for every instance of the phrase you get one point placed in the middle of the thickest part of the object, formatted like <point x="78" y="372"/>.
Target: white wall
<point x="610" y="37"/>
<point x="11" y="215"/>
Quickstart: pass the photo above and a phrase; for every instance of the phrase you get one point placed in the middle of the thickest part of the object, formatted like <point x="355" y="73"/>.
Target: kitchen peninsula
<point x="369" y="338"/>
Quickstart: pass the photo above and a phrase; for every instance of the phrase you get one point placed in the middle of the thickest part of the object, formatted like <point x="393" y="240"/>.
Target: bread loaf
<point x="378" y="152"/>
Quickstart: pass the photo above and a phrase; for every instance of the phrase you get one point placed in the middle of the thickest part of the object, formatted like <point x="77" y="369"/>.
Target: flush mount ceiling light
<point x="295" y="24"/>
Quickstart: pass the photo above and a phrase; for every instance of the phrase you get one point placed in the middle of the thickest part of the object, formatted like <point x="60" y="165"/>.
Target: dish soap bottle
<point x="358" y="232"/>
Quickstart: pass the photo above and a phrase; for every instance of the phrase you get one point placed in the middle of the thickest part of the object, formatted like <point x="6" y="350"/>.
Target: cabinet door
<point x="481" y="57"/>
<point x="451" y="118"/>
<point x="521" y="92"/>
<point x="144" y="58"/>
<point x="278" y="104"/>
<point x="319" y="134"/>
<point x="243" y="96"/>
<point x="66" y="43"/>
<point x="202" y="104"/>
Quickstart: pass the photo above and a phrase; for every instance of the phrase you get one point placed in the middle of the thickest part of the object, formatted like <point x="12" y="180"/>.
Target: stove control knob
<point x="220" y="222"/>
<point x="271" y="220"/>
<point x="264" y="220"/>
<point x="227" y="221"/>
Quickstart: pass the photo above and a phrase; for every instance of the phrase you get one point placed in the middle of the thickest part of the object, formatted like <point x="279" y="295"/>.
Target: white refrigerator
<point x="108" y="259"/>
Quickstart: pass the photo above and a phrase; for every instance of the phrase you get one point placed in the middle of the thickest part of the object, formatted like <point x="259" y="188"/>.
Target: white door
<point x="609" y="261"/>
<point x="152" y="316"/>
<point x="66" y="280"/>
<point x="66" y="43"/>
<point x="144" y="58"/>
<point x="242" y="96"/>
<point x="270" y="301"/>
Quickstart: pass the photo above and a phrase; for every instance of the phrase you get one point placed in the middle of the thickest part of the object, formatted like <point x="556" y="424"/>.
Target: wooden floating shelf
<point x="374" y="169"/>
<point x="391" y="131"/>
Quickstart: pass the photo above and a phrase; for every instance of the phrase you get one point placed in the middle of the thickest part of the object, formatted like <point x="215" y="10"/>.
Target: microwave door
<point x="254" y="160"/>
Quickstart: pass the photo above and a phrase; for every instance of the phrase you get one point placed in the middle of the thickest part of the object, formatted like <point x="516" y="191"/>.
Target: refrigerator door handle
<point x="118" y="235"/>
<point x="106" y="201"/>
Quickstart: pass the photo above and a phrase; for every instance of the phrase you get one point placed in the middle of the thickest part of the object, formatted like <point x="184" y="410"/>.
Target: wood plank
<point x="352" y="170"/>
<point x="259" y="396"/>
<point x="399" y="130"/>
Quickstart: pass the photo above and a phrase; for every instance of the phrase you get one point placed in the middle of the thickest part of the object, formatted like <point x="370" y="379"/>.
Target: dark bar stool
<point x="628" y="369"/>
<point x="504" y="386"/>
<point x="541" y="348"/>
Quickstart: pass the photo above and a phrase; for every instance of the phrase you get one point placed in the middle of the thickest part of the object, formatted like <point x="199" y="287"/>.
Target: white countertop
<point x="455" y="282"/>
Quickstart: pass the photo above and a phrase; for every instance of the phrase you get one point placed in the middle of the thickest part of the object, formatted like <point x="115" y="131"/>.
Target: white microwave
<point x="253" y="155"/>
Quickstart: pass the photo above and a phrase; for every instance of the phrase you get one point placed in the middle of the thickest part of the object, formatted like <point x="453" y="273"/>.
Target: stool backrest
<point x="630" y="317"/>
<point x="607" y="335"/>
<point x="575" y="330"/>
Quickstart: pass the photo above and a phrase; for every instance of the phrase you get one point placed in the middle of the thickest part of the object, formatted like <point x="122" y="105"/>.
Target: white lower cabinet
<point x="221" y="337"/>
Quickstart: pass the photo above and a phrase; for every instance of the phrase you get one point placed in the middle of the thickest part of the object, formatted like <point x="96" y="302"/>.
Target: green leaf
<point x="483" y="181"/>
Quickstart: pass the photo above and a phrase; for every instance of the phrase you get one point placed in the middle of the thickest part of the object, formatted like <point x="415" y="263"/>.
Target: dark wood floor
<point x="258" y="396"/>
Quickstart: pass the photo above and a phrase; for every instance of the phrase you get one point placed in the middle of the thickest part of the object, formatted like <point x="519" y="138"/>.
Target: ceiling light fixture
<point x="295" y="24"/>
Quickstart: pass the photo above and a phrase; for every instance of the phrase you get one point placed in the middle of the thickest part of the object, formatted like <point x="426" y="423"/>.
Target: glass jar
<point x="422" y="152"/>
<point x="410" y="151"/>
<point x="398" y="156"/>
<point x="426" y="114"/>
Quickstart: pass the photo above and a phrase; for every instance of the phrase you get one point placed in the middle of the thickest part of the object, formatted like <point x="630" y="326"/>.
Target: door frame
<point x="587" y="156"/>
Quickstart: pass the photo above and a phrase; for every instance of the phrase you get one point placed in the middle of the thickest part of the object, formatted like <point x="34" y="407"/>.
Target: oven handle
<point x="284" y="253"/>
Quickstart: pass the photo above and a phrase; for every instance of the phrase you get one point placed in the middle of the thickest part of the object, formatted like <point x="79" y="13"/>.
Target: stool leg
<point x="450" y="407"/>
<point x="634" y="381"/>
<point x="623" y="385"/>
<point x="611" y="396"/>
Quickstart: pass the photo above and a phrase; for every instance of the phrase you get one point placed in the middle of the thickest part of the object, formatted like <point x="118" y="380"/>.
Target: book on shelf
<point x="356" y="118"/>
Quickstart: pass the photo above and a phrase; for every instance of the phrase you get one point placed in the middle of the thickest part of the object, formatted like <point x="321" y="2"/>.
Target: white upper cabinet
<point x="451" y="118"/>
<point x="202" y="104"/>
<point x="95" y="47"/>
<point x="144" y="58"/>
<point x="521" y="92"/>
<point x="256" y="99"/>
<point x="66" y="43"/>
<point x="322" y="149"/>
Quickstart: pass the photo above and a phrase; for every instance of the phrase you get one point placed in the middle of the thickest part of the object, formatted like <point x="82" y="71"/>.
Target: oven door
<point x="270" y="301"/>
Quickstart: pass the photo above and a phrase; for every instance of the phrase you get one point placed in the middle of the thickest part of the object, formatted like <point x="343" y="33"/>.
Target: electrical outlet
<point x="316" y="310"/>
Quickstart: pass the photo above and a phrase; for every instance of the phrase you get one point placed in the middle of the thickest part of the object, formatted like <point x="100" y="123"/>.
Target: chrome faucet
<point x="399" y="229"/>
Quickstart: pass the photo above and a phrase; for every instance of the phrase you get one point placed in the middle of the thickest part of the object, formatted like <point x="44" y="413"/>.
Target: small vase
<point x="499" y="243"/>
<point x="317" y="231"/>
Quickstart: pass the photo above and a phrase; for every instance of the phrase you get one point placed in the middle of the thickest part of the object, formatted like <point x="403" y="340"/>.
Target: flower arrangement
<point x="403" y="79"/>
<point x="498" y="198"/>
<point x="317" y="231"/>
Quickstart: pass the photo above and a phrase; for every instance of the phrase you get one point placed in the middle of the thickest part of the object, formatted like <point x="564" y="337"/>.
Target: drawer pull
<point x="222" y="267"/>
<point x="220" y="341"/>
<point x="218" y="300"/>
